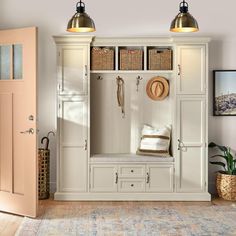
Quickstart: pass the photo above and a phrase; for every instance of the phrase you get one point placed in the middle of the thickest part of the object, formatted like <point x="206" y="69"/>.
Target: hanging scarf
<point x="121" y="94"/>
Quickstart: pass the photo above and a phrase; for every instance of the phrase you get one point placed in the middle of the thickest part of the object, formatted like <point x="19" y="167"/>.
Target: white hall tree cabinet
<point x="96" y="157"/>
<point x="72" y="114"/>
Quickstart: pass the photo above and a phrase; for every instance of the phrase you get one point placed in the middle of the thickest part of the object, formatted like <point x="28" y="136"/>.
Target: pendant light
<point x="80" y="21"/>
<point x="184" y="21"/>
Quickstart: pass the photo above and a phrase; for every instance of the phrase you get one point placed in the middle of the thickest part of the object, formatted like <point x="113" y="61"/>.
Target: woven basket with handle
<point x="226" y="186"/>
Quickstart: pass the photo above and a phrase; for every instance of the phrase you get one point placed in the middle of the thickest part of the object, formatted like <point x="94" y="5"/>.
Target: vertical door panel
<point x="191" y="147"/>
<point x="103" y="178"/>
<point x="73" y="70"/>
<point x="191" y="72"/>
<point x="73" y="169"/>
<point x="18" y="101"/>
<point x="160" y="178"/>
<point x="73" y="120"/>
<point x="6" y="142"/>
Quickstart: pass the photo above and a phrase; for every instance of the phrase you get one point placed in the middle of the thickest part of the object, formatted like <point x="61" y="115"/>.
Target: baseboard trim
<point x="60" y="196"/>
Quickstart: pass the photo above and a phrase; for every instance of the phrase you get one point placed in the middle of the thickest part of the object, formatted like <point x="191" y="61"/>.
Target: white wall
<point x="122" y="18"/>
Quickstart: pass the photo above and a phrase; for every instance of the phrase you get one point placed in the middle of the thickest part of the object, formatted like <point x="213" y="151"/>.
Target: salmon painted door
<point x="18" y="141"/>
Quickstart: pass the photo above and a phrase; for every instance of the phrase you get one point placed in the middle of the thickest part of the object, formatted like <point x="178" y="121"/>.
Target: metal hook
<point x="50" y="132"/>
<point x="138" y="79"/>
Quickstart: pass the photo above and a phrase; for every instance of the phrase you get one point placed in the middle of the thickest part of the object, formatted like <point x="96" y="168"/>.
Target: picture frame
<point x="224" y="92"/>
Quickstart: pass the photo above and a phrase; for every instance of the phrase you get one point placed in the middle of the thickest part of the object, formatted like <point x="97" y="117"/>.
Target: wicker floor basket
<point x="102" y="58"/>
<point x="131" y="59"/>
<point x="226" y="186"/>
<point x="43" y="175"/>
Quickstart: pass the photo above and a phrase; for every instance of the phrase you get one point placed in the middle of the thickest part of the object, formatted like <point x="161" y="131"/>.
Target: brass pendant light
<point x="80" y="22"/>
<point x="184" y="21"/>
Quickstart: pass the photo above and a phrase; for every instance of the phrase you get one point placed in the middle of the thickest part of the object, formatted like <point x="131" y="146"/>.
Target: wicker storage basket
<point x="160" y="59"/>
<point x="226" y="186"/>
<point x="131" y="59"/>
<point x="102" y="58"/>
<point x="43" y="175"/>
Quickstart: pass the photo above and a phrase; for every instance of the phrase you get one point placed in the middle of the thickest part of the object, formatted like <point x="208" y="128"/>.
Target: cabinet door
<point x="104" y="178"/>
<point x="191" y="69"/>
<point x="73" y="134"/>
<point x="159" y="178"/>
<point x="191" y="134"/>
<point x="73" y="70"/>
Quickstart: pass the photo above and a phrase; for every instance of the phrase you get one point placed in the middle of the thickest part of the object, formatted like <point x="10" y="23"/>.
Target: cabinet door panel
<point x="192" y="144"/>
<point x="73" y="121"/>
<point x="192" y="170"/>
<point x="73" y="169"/>
<point x="191" y="63"/>
<point x="160" y="178"/>
<point x="103" y="178"/>
<point x="73" y="134"/>
<point x="73" y="70"/>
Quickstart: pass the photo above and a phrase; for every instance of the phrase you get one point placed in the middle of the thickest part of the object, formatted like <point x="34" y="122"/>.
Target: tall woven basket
<point x="43" y="173"/>
<point x="226" y="186"/>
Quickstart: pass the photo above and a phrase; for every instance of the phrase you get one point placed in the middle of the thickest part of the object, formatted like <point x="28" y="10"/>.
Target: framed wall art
<point x="224" y="92"/>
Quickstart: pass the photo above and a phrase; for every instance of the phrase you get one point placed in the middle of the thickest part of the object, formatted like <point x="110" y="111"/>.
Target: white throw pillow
<point x="155" y="142"/>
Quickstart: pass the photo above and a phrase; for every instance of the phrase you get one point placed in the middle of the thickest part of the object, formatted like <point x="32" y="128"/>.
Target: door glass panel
<point x="5" y="61"/>
<point x="17" y="61"/>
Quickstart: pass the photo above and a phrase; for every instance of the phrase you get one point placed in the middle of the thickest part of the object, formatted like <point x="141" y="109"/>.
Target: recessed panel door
<point x="73" y="132"/>
<point x="73" y="70"/>
<point x="191" y="69"/>
<point x="191" y="174"/>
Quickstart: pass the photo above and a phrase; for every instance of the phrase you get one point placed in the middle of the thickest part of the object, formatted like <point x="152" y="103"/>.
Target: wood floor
<point x="9" y="223"/>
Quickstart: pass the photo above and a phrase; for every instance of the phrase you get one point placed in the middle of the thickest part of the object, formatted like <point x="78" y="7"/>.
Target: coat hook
<point x="138" y="79"/>
<point x="99" y="78"/>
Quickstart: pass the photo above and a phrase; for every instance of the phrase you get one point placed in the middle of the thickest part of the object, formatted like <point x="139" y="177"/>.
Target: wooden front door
<point x="18" y="110"/>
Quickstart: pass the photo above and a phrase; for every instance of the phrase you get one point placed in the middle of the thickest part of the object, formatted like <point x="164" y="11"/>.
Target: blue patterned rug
<point x="131" y="219"/>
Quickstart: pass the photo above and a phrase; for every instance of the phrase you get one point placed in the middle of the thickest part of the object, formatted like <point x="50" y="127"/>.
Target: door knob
<point x="29" y="131"/>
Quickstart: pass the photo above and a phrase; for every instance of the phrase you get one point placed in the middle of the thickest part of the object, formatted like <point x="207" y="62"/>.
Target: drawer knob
<point x="132" y="171"/>
<point x="132" y="185"/>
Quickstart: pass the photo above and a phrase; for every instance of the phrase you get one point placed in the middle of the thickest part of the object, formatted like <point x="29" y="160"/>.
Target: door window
<point x="11" y="62"/>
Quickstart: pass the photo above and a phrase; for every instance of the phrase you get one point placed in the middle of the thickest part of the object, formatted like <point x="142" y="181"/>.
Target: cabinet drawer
<point x="131" y="185"/>
<point x="130" y="171"/>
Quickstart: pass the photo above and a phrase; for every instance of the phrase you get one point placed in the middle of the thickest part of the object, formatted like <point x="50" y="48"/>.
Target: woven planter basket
<point x="226" y="186"/>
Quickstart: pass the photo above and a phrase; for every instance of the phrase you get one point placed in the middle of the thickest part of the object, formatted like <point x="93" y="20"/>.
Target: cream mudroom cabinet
<point x="73" y="114"/>
<point x="97" y="140"/>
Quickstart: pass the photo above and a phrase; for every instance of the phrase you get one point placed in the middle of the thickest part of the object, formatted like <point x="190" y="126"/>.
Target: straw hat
<point x="157" y="88"/>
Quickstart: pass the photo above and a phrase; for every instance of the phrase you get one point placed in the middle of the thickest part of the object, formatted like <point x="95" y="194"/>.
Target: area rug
<point x="131" y="220"/>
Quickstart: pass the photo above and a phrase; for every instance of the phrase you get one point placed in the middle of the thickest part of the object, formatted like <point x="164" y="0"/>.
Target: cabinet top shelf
<point x="131" y="71"/>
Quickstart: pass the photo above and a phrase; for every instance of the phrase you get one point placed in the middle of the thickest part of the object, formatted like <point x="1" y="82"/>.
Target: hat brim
<point x="165" y="83"/>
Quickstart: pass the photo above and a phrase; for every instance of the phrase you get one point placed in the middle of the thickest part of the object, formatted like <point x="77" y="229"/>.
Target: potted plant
<point x="226" y="179"/>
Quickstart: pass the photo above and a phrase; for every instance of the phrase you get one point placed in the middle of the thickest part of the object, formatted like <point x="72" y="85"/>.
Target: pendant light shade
<point x="184" y="21"/>
<point x="80" y="21"/>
